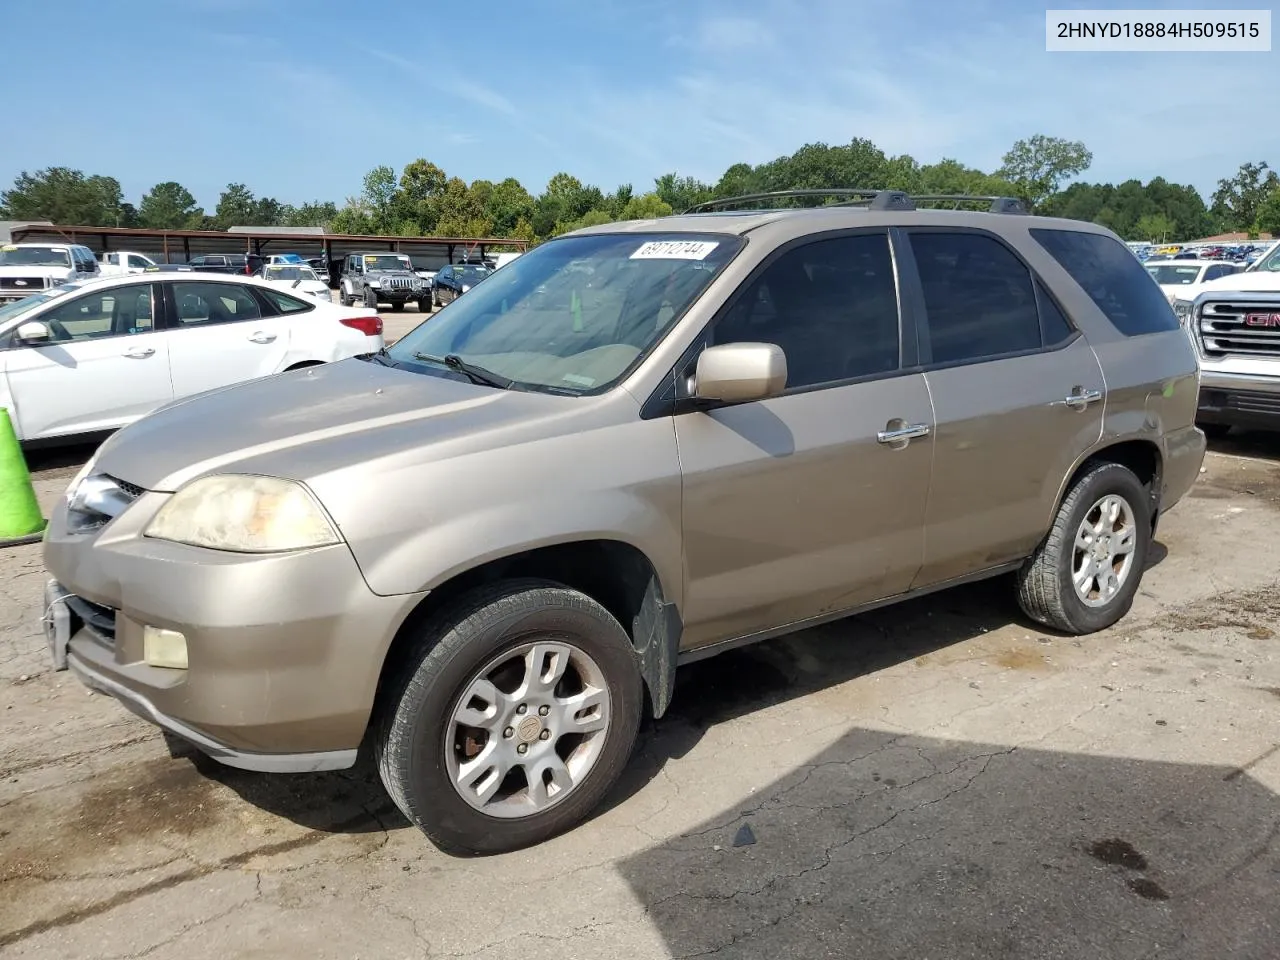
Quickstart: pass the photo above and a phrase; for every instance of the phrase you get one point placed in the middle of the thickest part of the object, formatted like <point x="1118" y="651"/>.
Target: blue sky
<point x="299" y="100"/>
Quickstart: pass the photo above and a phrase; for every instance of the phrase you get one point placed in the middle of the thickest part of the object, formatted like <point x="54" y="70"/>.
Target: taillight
<point x="369" y="326"/>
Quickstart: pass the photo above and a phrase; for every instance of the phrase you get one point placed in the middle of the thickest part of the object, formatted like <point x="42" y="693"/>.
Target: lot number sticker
<point x="675" y="250"/>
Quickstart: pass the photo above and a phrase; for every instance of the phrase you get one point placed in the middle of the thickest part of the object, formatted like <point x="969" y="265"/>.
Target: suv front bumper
<point x="284" y="651"/>
<point x="1238" y="399"/>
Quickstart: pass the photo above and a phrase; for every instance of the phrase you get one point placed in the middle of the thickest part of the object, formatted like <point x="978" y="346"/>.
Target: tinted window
<point x="285" y="303"/>
<point x="114" y="312"/>
<point x="831" y="306"/>
<point x="1114" y="281"/>
<point x="978" y="296"/>
<point x="201" y="303"/>
<point x="1054" y="327"/>
<point x="135" y="261"/>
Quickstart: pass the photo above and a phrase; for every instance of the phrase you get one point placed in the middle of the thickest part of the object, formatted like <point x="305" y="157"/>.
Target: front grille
<point x="1240" y="328"/>
<point x="100" y="621"/>
<point x="30" y="284"/>
<point x="1243" y="401"/>
<point x="398" y="283"/>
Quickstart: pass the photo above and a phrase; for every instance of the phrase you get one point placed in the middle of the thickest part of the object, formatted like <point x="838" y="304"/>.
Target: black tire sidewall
<point x="1108" y="480"/>
<point x="429" y="700"/>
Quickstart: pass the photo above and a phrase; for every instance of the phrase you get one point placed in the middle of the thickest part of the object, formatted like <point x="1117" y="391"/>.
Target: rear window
<point x="1114" y="280"/>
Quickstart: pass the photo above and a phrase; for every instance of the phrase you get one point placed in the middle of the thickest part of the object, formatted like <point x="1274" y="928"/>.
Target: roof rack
<point x="871" y="199"/>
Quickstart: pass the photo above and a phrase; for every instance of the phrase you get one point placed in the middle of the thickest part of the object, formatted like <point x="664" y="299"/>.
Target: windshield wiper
<point x="474" y="373"/>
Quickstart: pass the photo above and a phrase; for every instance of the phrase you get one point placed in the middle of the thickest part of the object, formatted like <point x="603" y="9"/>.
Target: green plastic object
<point x="20" y="517"/>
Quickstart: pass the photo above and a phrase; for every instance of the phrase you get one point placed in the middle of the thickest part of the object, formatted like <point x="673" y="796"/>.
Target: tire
<point x="370" y="299"/>
<point x="435" y="301"/>
<point x="416" y="740"/>
<point x="424" y="305"/>
<point x="1215" y="431"/>
<point x="347" y="300"/>
<point x="397" y="307"/>
<point x="1046" y="591"/>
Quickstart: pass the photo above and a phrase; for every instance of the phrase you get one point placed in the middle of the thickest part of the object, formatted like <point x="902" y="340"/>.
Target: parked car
<point x="1262" y="276"/>
<point x="299" y="278"/>
<point x="1179" y="279"/>
<point x="27" y="268"/>
<point x="1238" y="336"/>
<point x="120" y="263"/>
<point x="293" y="258"/>
<point x="245" y="264"/>
<point x="481" y="550"/>
<point x="322" y="268"/>
<point x="455" y="279"/>
<point x="383" y="278"/>
<point x="95" y="355"/>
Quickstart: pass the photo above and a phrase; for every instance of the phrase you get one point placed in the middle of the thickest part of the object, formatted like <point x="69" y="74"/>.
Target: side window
<point x="138" y="262"/>
<point x="978" y="297"/>
<point x="285" y="303"/>
<point x="113" y="259"/>
<point x="1114" y="280"/>
<point x="207" y="303"/>
<point x="831" y="305"/>
<point x="115" y="312"/>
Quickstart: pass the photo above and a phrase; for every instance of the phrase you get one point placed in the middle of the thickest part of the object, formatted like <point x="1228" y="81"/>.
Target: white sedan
<point x="297" y="277"/>
<point x="94" y="355"/>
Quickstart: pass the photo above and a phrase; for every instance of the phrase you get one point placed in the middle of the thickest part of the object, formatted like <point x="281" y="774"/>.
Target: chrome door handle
<point x="139" y="353"/>
<point x="910" y="432"/>
<point x="261" y="337"/>
<point x="1079" y="399"/>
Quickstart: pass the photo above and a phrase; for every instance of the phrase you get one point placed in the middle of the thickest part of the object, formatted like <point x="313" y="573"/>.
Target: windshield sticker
<point x="675" y="250"/>
<point x="371" y="259"/>
<point x="7" y="247"/>
<point x="580" y="380"/>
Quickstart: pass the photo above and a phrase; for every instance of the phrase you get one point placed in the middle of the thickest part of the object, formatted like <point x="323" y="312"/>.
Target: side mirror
<point x="34" y="331"/>
<point x="740" y="372"/>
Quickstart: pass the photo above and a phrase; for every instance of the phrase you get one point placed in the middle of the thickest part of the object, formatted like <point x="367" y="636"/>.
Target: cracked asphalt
<point x="933" y="781"/>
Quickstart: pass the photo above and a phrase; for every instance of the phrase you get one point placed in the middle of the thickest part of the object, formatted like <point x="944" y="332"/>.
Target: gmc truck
<point x="1237" y="334"/>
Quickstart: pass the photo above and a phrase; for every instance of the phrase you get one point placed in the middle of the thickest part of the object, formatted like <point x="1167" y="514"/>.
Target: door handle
<point x="911" y="431"/>
<point x="139" y="353"/>
<point x="261" y="337"/>
<point x="1079" y="399"/>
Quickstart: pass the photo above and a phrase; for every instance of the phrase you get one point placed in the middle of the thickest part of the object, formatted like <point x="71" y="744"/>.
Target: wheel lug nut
<point x="523" y="748"/>
<point x="545" y="735"/>
<point x="508" y="733"/>
<point x="521" y="709"/>
<point x="543" y="710"/>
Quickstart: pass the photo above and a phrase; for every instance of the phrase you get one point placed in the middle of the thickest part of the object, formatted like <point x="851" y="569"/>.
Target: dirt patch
<point x="1244" y="480"/>
<point x="1019" y="659"/>
<point x="1117" y="853"/>
<point x="1252" y="613"/>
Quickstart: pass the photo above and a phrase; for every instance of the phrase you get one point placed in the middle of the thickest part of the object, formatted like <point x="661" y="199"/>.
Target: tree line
<point x="423" y="200"/>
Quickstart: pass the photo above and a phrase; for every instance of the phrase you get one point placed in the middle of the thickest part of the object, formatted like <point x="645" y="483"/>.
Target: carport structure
<point x="179" y="246"/>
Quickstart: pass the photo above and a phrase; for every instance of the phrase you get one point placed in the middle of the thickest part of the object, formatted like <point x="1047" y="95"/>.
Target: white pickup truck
<point x="119" y="263"/>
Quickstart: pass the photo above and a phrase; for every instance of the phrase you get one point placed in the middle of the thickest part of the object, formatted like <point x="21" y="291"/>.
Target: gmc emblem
<point x="1262" y="319"/>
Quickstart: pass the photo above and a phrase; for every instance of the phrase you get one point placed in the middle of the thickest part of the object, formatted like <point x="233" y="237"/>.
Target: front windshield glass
<point x="1173" y="273"/>
<point x="471" y="273"/>
<point x="290" y="273"/>
<point x="14" y="256"/>
<point x="18" y="307"/>
<point x="387" y="262"/>
<point x="572" y="315"/>
<point x="1271" y="262"/>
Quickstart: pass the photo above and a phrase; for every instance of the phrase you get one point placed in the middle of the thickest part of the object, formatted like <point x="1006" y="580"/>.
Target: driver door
<point x="104" y="365"/>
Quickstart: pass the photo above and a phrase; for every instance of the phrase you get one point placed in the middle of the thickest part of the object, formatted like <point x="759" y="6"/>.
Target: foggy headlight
<point x="1182" y="310"/>
<point x="244" y="514"/>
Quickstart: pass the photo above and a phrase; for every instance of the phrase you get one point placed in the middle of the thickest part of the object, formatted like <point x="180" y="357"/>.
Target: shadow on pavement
<point x="910" y="847"/>
<point x="1248" y="443"/>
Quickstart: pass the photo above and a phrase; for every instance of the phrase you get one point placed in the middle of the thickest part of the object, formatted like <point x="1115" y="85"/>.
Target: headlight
<point x="244" y="514"/>
<point x="375" y="283"/>
<point x="1182" y="310"/>
<point x="466" y="287"/>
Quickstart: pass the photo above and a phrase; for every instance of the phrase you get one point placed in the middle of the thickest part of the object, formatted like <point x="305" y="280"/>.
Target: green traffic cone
<point x="20" y="517"/>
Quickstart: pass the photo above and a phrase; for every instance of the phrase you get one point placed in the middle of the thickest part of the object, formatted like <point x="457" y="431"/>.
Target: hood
<point x="22" y="270"/>
<point x="1261" y="280"/>
<point x="310" y="423"/>
<point x="379" y="272"/>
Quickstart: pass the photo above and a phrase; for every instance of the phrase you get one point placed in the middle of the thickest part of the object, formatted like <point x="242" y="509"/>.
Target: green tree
<point x="379" y="198"/>
<point x="507" y="205"/>
<point x="317" y="213"/>
<point x="1237" y="201"/>
<point x="1039" y="165"/>
<point x="681" y="193"/>
<point x="1156" y="227"/>
<point x="1268" y="217"/>
<point x="169" y="206"/>
<point x="354" y="218"/>
<point x="63" y="195"/>
<point x="648" y="206"/>
<point x="421" y="187"/>
<point x="236" y="207"/>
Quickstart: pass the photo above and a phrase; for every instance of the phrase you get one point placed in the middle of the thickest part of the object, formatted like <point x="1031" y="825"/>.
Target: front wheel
<point x="424" y="305"/>
<point x="370" y="299"/>
<point x="1084" y="575"/>
<point x="397" y="306"/>
<point x="512" y="717"/>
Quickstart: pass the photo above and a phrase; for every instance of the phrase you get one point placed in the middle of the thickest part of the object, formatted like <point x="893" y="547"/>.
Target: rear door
<point x="1018" y="395"/>
<point x="221" y="333"/>
<point x="806" y="504"/>
<point x="107" y="364"/>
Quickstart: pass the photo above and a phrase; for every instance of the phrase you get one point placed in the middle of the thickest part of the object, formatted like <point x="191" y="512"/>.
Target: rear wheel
<point x="513" y="716"/>
<point x="1084" y="575"/>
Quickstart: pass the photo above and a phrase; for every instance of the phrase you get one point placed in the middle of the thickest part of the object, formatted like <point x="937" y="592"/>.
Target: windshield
<point x="276" y="272"/>
<point x="573" y="315"/>
<point x="19" y="307"/>
<point x="1173" y="273"/>
<point x="471" y="272"/>
<point x="387" y="262"/>
<point x="1271" y="262"/>
<point x="13" y="256"/>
